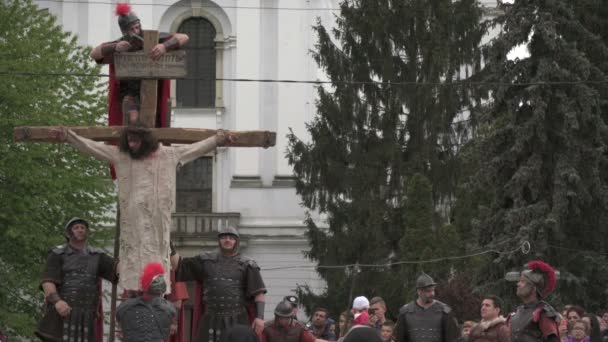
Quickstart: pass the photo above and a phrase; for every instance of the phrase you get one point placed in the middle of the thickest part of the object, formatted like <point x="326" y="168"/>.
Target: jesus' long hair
<point x="149" y="143"/>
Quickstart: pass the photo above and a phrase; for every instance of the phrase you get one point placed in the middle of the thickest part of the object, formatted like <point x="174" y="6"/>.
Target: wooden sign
<point x="137" y="65"/>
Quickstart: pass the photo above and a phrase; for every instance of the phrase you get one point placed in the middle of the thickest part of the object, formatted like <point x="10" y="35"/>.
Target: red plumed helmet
<point x="542" y="275"/>
<point x="126" y="18"/>
<point x="151" y="271"/>
<point x="122" y="9"/>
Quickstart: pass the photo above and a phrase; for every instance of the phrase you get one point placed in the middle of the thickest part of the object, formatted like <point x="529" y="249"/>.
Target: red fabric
<point x="307" y="336"/>
<point x="199" y="309"/>
<point x="179" y="334"/>
<point x="362" y="319"/>
<point x="178" y="292"/>
<point x="548" y="326"/>
<point x="115" y="104"/>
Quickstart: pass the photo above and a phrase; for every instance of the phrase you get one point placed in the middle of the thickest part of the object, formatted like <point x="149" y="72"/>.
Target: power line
<point x="524" y="247"/>
<point x="318" y="82"/>
<point x="135" y="5"/>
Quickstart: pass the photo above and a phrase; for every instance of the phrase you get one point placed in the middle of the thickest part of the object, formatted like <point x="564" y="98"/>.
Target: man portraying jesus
<point x="146" y="176"/>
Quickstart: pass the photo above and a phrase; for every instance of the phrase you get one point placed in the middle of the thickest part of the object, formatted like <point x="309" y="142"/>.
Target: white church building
<point x="252" y="188"/>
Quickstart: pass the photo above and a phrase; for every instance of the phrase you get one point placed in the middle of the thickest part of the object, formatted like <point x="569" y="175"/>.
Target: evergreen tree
<point x="545" y="152"/>
<point x="382" y="143"/>
<point x="41" y="185"/>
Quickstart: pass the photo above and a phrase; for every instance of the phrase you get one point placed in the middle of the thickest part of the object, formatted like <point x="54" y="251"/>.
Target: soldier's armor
<point x="146" y="321"/>
<point x="424" y="325"/>
<point x="79" y="290"/>
<point x="224" y="291"/>
<point x="79" y="286"/>
<point x="223" y="294"/>
<point x="522" y="324"/>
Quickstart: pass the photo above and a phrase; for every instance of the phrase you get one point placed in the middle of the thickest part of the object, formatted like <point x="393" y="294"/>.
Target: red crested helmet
<point x="153" y="280"/>
<point x="542" y="276"/>
<point x="125" y="17"/>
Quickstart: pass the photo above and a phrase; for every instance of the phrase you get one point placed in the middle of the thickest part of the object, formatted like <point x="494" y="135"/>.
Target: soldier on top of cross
<point x="124" y="95"/>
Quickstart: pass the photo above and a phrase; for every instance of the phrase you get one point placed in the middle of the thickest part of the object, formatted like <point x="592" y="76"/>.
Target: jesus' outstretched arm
<point x="188" y="153"/>
<point x="97" y="149"/>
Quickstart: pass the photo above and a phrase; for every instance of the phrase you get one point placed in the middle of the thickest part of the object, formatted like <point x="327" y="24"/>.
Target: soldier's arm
<point x="51" y="277"/>
<point x="104" y="53"/>
<point x="180" y="38"/>
<point x="174" y="42"/>
<point x="451" y="331"/>
<point x="107" y="268"/>
<point x="189" y="269"/>
<point x="400" y="333"/>
<point x="548" y="326"/>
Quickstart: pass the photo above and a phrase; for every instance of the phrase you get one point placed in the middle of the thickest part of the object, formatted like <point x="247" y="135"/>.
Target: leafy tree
<point x="382" y="144"/>
<point x="41" y="185"/>
<point x="545" y="151"/>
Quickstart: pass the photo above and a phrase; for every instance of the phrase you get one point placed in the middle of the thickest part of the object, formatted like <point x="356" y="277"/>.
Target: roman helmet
<point x="153" y="279"/>
<point x="424" y="280"/>
<point x="126" y="17"/>
<point x="284" y="309"/>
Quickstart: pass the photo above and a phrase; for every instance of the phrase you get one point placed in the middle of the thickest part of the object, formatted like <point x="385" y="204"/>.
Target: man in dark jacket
<point x="426" y="319"/>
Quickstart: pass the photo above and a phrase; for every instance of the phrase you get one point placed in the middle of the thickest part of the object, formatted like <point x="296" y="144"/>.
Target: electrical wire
<point x="318" y="82"/>
<point x="524" y="247"/>
<point x="135" y="5"/>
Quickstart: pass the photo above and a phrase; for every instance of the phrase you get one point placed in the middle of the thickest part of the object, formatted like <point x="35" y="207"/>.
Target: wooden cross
<point x="137" y="65"/>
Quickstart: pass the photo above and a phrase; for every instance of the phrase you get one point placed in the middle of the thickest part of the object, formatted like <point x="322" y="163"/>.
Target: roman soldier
<point x="535" y="320"/>
<point x="71" y="285"/>
<point x="233" y="293"/>
<point x="426" y="319"/>
<point x="148" y="318"/>
<point x="284" y="328"/>
<point x="124" y="96"/>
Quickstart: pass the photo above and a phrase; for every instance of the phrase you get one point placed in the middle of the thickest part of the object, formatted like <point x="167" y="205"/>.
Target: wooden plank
<point x="166" y="135"/>
<point x="137" y="65"/>
<point x="149" y="88"/>
<point x="147" y="113"/>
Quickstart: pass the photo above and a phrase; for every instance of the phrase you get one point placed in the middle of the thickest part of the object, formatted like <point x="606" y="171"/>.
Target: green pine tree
<point x="42" y="185"/>
<point x="545" y="161"/>
<point x="378" y="161"/>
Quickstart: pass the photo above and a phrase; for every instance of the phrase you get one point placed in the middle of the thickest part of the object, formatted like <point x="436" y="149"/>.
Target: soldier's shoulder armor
<point x="208" y="256"/>
<point x="444" y="307"/>
<point x="408" y="308"/>
<point x="247" y="261"/>
<point x="94" y="250"/>
<point x="164" y="305"/>
<point x="60" y="249"/>
<point x="548" y="310"/>
<point x="127" y="303"/>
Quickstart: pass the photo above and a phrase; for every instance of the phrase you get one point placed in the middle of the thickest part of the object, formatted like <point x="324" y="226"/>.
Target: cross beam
<point x="167" y="135"/>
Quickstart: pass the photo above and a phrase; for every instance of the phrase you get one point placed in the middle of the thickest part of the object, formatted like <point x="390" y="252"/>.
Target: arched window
<point x="200" y="92"/>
